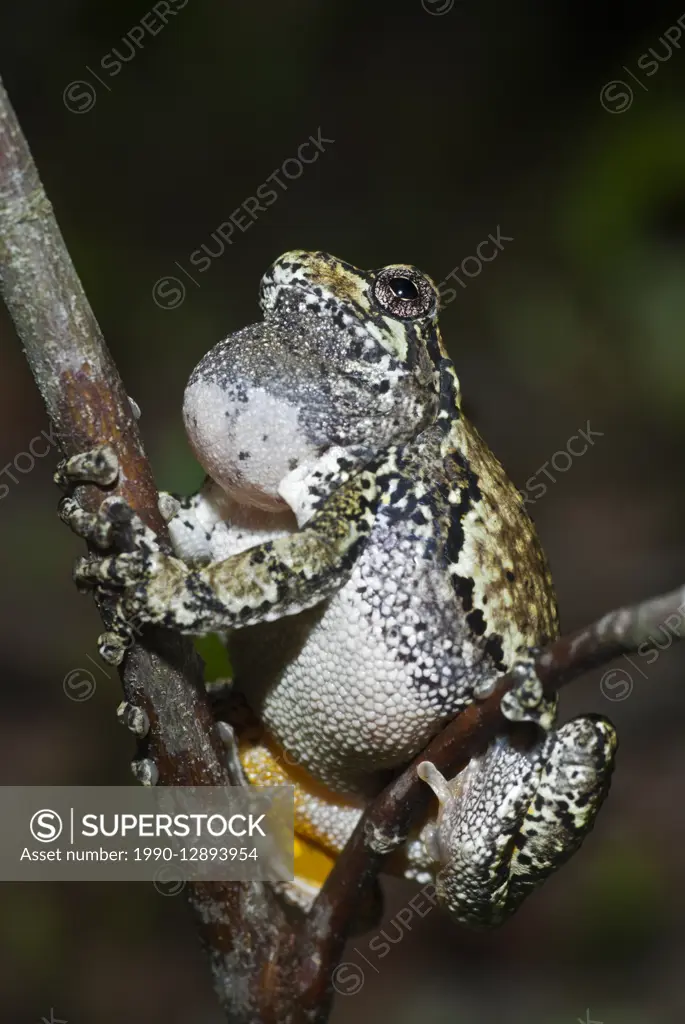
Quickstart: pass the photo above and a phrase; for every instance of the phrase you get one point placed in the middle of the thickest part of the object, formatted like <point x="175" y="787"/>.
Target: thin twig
<point x="86" y="401"/>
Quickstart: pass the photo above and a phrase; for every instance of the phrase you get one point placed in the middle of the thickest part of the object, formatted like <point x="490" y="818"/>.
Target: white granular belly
<point x="361" y="683"/>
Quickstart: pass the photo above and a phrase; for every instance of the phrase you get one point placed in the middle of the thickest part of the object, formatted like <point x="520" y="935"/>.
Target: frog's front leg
<point x="515" y="814"/>
<point x="282" y="576"/>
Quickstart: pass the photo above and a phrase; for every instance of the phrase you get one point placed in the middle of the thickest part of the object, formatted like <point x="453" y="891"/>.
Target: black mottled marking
<point x="265" y="437"/>
<point x="401" y="509"/>
<point x="243" y="456"/>
<point x="476" y="622"/>
<point x="430" y="549"/>
<point x="339" y="322"/>
<point x="403" y="489"/>
<point x="413" y="345"/>
<point x="510" y="576"/>
<point x="469" y="495"/>
<point x="373" y="355"/>
<point x="463" y="587"/>
<point x="467" y="476"/>
<point x="293" y="464"/>
<point x="495" y="650"/>
<point x="383" y="387"/>
<point x="447" y="404"/>
<point x="203" y="598"/>
<point x="454" y="541"/>
<point x="282" y="589"/>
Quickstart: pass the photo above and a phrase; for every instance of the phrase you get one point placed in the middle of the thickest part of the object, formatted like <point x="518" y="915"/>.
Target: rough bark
<point x="86" y="401"/>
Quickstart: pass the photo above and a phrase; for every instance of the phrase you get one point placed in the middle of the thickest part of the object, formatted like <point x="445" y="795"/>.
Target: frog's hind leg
<point x="515" y="814"/>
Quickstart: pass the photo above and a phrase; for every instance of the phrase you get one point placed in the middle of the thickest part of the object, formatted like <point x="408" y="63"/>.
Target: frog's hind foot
<point x="516" y="814"/>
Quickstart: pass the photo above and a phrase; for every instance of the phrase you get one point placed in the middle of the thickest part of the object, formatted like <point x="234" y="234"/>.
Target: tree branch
<point x="267" y="965"/>
<point x="240" y="924"/>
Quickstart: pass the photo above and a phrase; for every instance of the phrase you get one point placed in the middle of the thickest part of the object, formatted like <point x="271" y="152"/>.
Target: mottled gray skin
<point x="381" y="572"/>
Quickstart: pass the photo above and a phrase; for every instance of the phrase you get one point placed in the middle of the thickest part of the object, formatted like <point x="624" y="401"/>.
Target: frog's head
<point x="344" y="357"/>
<point x="392" y="313"/>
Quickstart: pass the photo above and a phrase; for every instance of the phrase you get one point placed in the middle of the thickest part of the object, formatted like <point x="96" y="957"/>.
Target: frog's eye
<point x="403" y="292"/>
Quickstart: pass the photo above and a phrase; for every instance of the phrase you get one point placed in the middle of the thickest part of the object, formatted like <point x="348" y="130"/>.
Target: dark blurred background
<point x="551" y="123"/>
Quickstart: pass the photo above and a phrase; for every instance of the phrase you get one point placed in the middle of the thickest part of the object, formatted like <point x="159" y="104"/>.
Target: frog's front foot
<point x="98" y="466"/>
<point x="515" y="814"/>
<point x="134" y="580"/>
<point x="142" y="584"/>
<point x="526" y="701"/>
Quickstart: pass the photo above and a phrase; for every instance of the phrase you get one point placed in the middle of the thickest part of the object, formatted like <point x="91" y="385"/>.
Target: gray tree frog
<point x="375" y="572"/>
